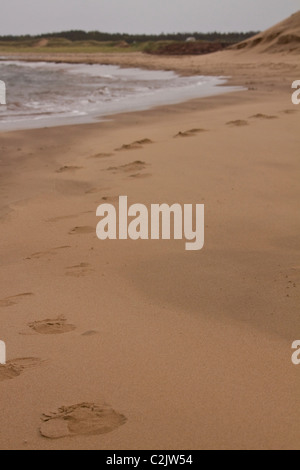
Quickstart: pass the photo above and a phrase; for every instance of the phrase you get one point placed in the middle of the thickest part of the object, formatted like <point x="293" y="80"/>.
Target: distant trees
<point x="225" y="38"/>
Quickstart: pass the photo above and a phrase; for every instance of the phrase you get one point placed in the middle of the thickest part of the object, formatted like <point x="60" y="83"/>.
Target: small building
<point x="191" y="39"/>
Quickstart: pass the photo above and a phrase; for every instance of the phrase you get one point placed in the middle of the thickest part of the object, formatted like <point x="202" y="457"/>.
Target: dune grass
<point x="60" y="45"/>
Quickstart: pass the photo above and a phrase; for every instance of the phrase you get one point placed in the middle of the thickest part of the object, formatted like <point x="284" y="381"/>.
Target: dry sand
<point x="141" y="345"/>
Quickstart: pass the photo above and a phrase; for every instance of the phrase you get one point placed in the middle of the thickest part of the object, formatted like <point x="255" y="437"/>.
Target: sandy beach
<point x="178" y="350"/>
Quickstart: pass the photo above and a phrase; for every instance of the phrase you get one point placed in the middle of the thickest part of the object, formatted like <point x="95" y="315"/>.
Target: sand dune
<point x="283" y="37"/>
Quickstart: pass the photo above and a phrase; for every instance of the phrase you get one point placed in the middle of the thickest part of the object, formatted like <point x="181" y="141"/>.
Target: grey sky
<point x="141" y="16"/>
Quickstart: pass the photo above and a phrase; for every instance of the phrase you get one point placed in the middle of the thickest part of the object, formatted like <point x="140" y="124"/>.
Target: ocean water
<point x="42" y="94"/>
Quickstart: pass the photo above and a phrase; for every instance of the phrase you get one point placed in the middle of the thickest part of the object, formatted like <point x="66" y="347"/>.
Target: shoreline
<point x="184" y="65"/>
<point x="215" y="87"/>
<point x="194" y="350"/>
<point x="205" y="65"/>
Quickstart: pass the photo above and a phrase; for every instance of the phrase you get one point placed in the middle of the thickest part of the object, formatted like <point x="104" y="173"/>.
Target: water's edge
<point x="45" y="94"/>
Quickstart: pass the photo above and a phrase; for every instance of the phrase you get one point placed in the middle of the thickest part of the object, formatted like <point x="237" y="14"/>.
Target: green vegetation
<point x="72" y="48"/>
<point x="95" y="42"/>
<point x="229" y="38"/>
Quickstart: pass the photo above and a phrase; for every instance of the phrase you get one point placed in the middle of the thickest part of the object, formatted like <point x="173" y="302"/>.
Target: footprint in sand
<point x="143" y="142"/>
<point x="140" y="175"/>
<point x="52" y="252"/>
<point x="90" y="333"/>
<point x="82" y="230"/>
<point x="66" y="217"/>
<point x="57" y="326"/>
<point x="62" y="217"/>
<point x="97" y="190"/>
<point x="133" y="146"/>
<point x="100" y="155"/>
<point x="15" y="299"/>
<point x="238" y="123"/>
<point x="289" y="111"/>
<point x="94" y="191"/>
<point x="110" y="198"/>
<point x="263" y="116"/>
<point x="190" y="133"/>
<point x="138" y="144"/>
<point x="15" y="367"/>
<point x="89" y="419"/>
<point x="71" y="188"/>
<point x="80" y="270"/>
<point x="133" y="168"/>
<point x="65" y="169"/>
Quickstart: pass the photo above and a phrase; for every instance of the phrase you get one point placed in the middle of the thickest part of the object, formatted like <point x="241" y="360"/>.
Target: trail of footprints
<point x="134" y="169"/>
<point x="83" y="419"/>
<point x="137" y="169"/>
<point x="258" y="116"/>
<point x="91" y="418"/>
<point x="234" y="123"/>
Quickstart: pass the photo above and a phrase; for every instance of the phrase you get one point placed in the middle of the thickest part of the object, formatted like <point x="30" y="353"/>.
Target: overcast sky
<point x="141" y="16"/>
